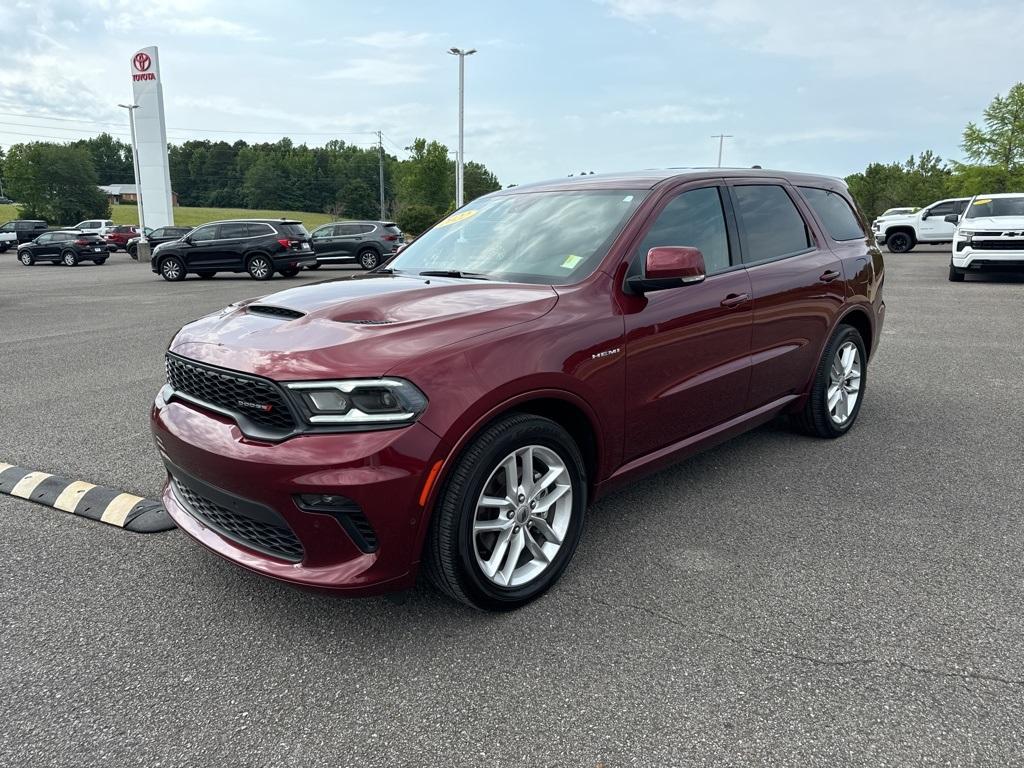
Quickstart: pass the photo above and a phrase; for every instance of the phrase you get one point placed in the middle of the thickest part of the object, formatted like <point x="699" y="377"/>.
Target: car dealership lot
<point x="779" y="599"/>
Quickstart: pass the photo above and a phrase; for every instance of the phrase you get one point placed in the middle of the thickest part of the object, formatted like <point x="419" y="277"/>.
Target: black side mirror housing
<point x="952" y="218"/>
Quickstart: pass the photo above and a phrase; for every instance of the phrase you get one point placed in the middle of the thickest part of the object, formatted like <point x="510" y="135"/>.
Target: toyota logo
<point x="142" y="62"/>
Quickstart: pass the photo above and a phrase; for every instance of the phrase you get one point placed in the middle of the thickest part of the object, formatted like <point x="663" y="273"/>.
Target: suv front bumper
<point x="223" y="490"/>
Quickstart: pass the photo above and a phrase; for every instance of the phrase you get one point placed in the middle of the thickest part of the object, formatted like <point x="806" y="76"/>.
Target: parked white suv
<point x="989" y="236"/>
<point x="901" y="233"/>
<point x="94" y="226"/>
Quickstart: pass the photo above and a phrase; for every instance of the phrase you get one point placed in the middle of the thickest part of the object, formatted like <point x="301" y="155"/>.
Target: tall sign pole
<point x="721" y="140"/>
<point x="152" y="166"/>
<point x="462" y="54"/>
<point x="380" y="158"/>
<point x="135" y="168"/>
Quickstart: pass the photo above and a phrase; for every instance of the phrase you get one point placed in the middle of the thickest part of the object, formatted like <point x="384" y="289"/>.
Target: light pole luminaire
<point x="462" y="54"/>
<point x="135" y="166"/>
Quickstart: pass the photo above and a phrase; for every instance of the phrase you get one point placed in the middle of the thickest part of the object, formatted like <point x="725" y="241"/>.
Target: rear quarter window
<point x="294" y="230"/>
<point x="835" y="213"/>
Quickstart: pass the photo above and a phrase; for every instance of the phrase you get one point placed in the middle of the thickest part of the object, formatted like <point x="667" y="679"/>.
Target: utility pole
<point x="721" y="140"/>
<point x="462" y="54"/>
<point x="143" y="251"/>
<point x="380" y="154"/>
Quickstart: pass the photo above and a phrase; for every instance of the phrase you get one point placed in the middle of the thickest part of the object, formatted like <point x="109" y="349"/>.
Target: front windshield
<point x="996" y="206"/>
<point x="552" y="238"/>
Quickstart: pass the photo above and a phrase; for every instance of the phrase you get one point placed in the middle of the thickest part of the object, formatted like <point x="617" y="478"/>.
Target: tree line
<point x="994" y="150"/>
<point x="58" y="182"/>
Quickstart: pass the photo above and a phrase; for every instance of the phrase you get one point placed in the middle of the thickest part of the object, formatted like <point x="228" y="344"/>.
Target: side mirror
<point x="925" y="215"/>
<point x="669" y="266"/>
<point x="952" y="218"/>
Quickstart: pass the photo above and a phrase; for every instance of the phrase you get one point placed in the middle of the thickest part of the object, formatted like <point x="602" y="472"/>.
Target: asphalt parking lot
<point x="778" y="601"/>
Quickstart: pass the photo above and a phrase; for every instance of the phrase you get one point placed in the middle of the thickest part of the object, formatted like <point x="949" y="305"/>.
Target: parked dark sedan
<point x="67" y="247"/>
<point x="156" y="237"/>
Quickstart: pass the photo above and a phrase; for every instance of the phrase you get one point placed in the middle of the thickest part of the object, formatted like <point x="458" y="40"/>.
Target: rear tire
<point x="841" y="376"/>
<point x="134" y="253"/>
<point x="206" y="275"/>
<point x="26" y="258"/>
<point x="900" y="242"/>
<point x="290" y="272"/>
<point x="260" y="267"/>
<point x="369" y="258"/>
<point x="955" y="275"/>
<point x="172" y="269"/>
<point x="521" y="541"/>
<point x="99" y="262"/>
<point x="314" y="266"/>
<point x="69" y="259"/>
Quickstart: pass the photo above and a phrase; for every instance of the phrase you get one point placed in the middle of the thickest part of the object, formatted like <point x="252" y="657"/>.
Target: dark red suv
<point x="460" y="407"/>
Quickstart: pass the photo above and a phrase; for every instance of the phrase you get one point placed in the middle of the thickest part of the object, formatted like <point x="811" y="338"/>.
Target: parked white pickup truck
<point x="901" y="233"/>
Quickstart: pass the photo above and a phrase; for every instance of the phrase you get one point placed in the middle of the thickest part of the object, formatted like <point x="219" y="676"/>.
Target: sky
<point x="555" y="87"/>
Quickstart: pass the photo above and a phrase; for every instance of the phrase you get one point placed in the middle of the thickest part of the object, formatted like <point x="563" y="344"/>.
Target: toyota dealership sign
<point x="151" y="138"/>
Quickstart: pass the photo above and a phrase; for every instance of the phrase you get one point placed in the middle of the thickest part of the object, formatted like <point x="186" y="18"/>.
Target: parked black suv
<point x="367" y="243"/>
<point x="23" y="230"/>
<point x="260" y="247"/>
<point x="65" y="246"/>
<point x="157" y="237"/>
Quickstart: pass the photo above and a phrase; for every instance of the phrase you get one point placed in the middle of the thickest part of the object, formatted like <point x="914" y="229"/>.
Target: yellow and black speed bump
<point x="95" y="502"/>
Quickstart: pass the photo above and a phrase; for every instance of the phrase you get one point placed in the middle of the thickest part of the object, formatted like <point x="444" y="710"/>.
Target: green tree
<point x="917" y="182"/>
<point x="1000" y="141"/>
<point x="414" y="218"/>
<point x="478" y="181"/>
<point x="426" y="178"/>
<point x="56" y="182"/>
<point x="112" y="158"/>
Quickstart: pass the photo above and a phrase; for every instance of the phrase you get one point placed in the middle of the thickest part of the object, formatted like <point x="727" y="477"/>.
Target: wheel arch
<point x="565" y="408"/>
<point x="860" y="320"/>
<point x="889" y="231"/>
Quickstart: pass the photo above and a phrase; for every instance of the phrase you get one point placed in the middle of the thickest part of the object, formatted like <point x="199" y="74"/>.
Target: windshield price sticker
<point x="455" y="218"/>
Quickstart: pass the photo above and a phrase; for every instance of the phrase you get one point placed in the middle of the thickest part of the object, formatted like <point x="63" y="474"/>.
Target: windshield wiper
<point x="453" y="273"/>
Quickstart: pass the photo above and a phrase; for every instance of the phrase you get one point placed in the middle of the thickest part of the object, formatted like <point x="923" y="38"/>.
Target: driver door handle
<point x="829" y="276"/>
<point x="735" y="299"/>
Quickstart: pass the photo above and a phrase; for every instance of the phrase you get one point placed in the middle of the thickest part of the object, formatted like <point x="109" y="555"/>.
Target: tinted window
<point x="176" y="231"/>
<point x="771" y="222"/>
<point x="345" y="229"/>
<point x="44" y="238"/>
<point x="8" y="227"/>
<point x="365" y="229"/>
<point x="294" y="230"/>
<point x="204" y="233"/>
<point x="157" y="233"/>
<point x="324" y="232"/>
<point x="694" y="218"/>
<point x="836" y="214"/>
<point x="233" y="230"/>
<point x="960" y="206"/>
<point x="258" y="230"/>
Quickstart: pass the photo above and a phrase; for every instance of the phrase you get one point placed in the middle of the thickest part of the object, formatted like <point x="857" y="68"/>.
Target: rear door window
<point x="233" y="230"/>
<point x="345" y="230"/>
<point x="771" y="224"/>
<point x="835" y="213"/>
<point x="365" y="229"/>
<point x="255" y="229"/>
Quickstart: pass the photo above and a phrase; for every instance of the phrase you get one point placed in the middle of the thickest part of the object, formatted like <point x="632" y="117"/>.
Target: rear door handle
<point x="735" y="299"/>
<point x="829" y="276"/>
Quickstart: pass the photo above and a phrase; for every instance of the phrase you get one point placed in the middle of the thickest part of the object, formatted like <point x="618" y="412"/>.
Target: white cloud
<point x="379" y="72"/>
<point x="667" y="114"/>
<point x="391" y="40"/>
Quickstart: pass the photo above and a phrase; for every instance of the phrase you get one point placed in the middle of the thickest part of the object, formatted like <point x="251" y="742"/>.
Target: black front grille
<point x="1016" y="244"/>
<point x="266" y="309"/>
<point x="275" y="540"/>
<point x="258" y="400"/>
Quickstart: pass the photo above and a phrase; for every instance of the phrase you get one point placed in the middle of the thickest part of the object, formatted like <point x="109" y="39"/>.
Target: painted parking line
<point x="77" y="497"/>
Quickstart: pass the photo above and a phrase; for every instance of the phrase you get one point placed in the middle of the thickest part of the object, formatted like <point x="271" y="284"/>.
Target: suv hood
<point x="1002" y="223"/>
<point x="356" y="326"/>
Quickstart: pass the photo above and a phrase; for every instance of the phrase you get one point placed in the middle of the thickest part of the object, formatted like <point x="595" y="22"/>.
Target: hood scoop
<point x="367" y="322"/>
<point x="270" y="311"/>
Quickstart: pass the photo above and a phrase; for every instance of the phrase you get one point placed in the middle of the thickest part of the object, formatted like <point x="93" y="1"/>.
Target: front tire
<point x="172" y="269"/>
<point x="206" y="274"/>
<point x="260" y="267"/>
<point x="510" y="515"/>
<point x="955" y="275"/>
<point x="290" y="272"/>
<point x="99" y="262"/>
<point x="26" y="258"/>
<point x="839" y="385"/>
<point x="900" y="242"/>
<point x="69" y="259"/>
<point x="313" y="266"/>
<point x="369" y="259"/>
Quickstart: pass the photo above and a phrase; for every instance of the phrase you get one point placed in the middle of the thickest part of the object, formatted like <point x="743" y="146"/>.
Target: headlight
<point x="966" y="234"/>
<point x="359" y="401"/>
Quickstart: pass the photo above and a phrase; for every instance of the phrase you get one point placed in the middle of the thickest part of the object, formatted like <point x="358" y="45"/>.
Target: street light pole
<point x="462" y="54"/>
<point x="721" y="140"/>
<point x="135" y="166"/>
